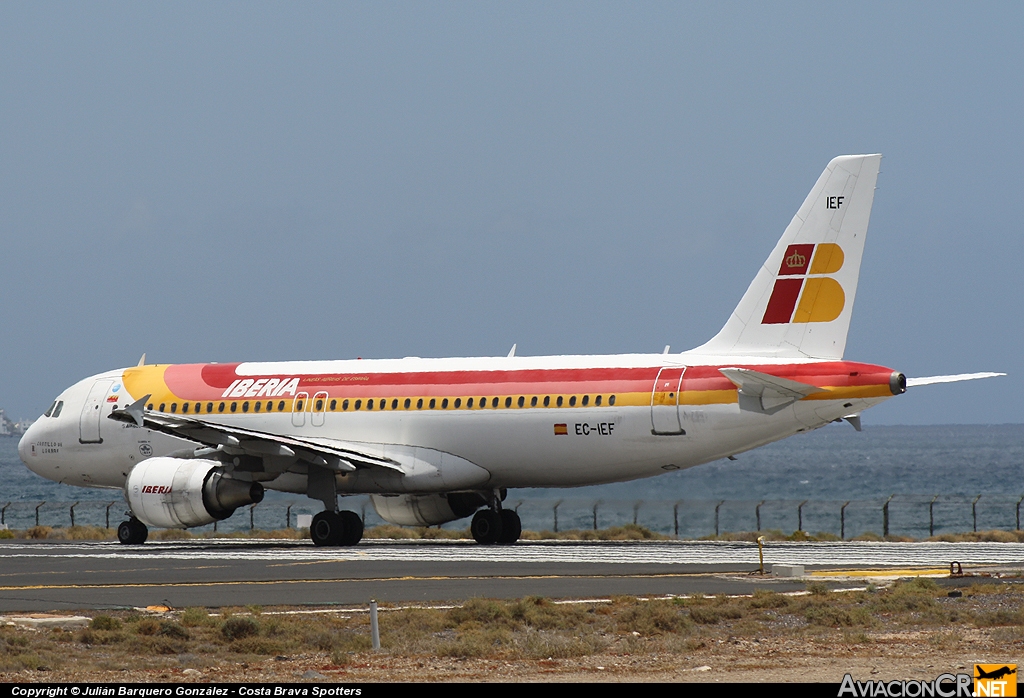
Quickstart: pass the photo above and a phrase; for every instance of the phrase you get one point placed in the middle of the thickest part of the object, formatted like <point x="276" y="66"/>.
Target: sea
<point x="912" y="481"/>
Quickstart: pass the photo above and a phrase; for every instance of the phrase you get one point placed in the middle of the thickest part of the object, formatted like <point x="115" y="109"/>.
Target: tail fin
<point x="799" y="304"/>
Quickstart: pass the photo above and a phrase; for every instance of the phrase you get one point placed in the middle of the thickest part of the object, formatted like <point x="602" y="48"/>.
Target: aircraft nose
<point x="24" y="448"/>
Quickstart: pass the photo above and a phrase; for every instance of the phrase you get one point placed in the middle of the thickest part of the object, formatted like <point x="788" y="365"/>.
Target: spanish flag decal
<point x="561" y="430"/>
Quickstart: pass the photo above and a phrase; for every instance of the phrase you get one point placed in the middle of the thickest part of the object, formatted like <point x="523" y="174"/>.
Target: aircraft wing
<point x="328" y="453"/>
<point x="956" y="378"/>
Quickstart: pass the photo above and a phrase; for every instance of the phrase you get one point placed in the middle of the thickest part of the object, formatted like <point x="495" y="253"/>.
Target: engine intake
<point x="177" y="493"/>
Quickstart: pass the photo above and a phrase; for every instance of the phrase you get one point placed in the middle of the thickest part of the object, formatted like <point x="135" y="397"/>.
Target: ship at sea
<point x="11" y="428"/>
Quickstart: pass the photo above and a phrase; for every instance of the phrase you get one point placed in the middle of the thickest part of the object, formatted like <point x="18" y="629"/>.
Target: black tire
<point x="132" y="532"/>
<point x="353" y="527"/>
<point x="327" y="529"/>
<point x="511" y="527"/>
<point x="486" y="527"/>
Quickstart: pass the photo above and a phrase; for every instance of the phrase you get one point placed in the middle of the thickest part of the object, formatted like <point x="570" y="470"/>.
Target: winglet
<point x="512" y="351"/>
<point x="133" y="412"/>
<point x="142" y="361"/>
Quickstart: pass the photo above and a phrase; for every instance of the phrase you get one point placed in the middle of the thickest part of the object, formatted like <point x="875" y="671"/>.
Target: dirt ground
<point x="913" y="630"/>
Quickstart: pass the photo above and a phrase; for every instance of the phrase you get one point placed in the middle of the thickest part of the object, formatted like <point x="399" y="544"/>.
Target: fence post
<point x="3" y="514"/>
<point x="37" y="512"/>
<point x="717" y="507"/>
<point x="1018" y="511"/>
<point x="800" y="515"/>
<point x="757" y="511"/>
<point x="974" y="512"/>
<point x="885" y="516"/>
<point x="288" y="517"/>
<point x="108" y="513"/>
<point x="72" y="510"/>
<point x="931" y="516"/>
<point x="596" y="505"/>
<point x="555" y="511"/>
<point x="842" y="521"/>
<point x="675" y="517"/>
<point x="636" y="511"/>
<point x="252" y="517"/>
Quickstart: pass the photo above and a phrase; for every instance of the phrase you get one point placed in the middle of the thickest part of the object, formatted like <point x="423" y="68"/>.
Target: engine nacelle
<point x="177" y="493"/>
<point x="426" y="509"/>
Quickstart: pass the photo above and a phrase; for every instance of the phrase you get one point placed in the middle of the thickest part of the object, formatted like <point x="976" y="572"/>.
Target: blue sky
<point x="265" y="181"/>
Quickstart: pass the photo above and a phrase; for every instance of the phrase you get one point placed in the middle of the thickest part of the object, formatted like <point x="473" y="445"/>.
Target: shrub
<point x="105" y="623"/>
<point x="237" y="628"/>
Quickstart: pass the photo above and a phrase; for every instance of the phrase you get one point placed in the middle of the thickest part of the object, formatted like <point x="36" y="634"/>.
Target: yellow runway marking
<point x="893" y="572"/>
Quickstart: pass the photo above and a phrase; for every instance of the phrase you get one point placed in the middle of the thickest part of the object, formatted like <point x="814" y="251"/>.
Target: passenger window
<point x="383" y="403"/>
<point x="184" y="407"/>
<point x="174" y="407"/>
<point x="444" y="404"/>
<point x="319" y="404"/>
<point x="234" y="406"/>
<point x="586" y="400"/>
<point x="419" y="404"/>
<point x="597" y="400"/>
<point x="611" y="399"/>
<point x="432" y="403"/>
<point x="280" y="406"/>
<point x="60" y="406"/>
<point x="50" y="411"/>
<point x="408" y="402"/>
<point x="220" y="407"/>
<point x="369" y="404"/>
<point x="533" y="401"/>
<point x="394" y="404"/>
<point x="547" y="400"/>
<point x="359" y="403"/>
<point x="344" y="405"/>
<point x="572" y="401"/>
<point x="469" y="403"/>
<point x="163" y="406"/>
<point x="150" y="406"/>
<point x="209" y="407"/>
<point x="559" y="401"/>
<point x="245" y="406"/>
<point x="494" y="402"/>
<point x="458" y="402"/>
<point x="522" y="401"/>
<point x="270" y="405"/>
<point x="256" y="407"/>
<point x="334" y="405"/>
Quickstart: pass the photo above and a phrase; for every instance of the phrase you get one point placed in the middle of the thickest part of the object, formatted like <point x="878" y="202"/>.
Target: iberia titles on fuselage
<point x="435" y="440"/>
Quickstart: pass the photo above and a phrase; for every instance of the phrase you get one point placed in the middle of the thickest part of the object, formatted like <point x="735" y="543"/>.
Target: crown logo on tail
<point x="796" y="260"/>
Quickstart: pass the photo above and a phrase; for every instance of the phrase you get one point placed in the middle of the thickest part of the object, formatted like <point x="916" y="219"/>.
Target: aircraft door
<point x="665" y="401"/>
<point x="317" y="409"/>
<point x="92" y="413"/>
<point x="299" y="405"/>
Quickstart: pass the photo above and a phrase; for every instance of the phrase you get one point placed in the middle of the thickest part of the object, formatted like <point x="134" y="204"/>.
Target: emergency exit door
<point x="665" y="402"/>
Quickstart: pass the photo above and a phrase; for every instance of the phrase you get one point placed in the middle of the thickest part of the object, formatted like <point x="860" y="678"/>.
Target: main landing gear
<point x="501" y="526"/>
<point x="132" y="532"/>
<point x="336" y="528"/>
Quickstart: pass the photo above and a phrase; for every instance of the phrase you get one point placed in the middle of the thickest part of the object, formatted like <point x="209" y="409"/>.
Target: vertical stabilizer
<point x="800" y="303"/>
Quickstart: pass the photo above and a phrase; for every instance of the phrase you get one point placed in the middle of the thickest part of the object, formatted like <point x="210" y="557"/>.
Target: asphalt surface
<point x="70" y="575"/>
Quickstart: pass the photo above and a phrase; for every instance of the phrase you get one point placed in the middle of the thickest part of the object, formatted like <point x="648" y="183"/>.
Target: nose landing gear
<point x="132" y="532"/>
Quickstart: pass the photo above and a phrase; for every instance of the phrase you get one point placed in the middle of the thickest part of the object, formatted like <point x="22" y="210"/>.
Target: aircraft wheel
<point x="511" y="527"/>
<point x="327" y="529"/>
<point x="132" y="532"/>
<point x="486" y="527"/>
<point x="353" y="527"/>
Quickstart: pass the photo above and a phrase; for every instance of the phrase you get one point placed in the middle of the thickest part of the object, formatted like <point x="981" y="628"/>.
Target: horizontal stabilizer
<point x="956" y="378"/>
<point x="761" y="392"/>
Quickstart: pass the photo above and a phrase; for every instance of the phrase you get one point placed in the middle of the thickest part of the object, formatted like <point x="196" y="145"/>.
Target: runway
<point x="69" y="575"/>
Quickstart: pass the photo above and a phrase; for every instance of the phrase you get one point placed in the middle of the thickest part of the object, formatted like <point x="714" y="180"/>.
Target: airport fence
<point x="917" y="516"/>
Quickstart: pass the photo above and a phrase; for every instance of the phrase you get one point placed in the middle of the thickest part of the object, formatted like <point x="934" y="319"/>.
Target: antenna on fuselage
<point x="512" y="351"/>
<point x="667" y="347"/>
<point x="142" y="361"/>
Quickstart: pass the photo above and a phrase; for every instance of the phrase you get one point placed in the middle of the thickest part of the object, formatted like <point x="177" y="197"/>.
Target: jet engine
<point x="426" y="509"/>
<point x="178" y="493"/>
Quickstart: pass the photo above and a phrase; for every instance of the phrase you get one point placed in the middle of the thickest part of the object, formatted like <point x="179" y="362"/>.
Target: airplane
<point x="433" y="440"/>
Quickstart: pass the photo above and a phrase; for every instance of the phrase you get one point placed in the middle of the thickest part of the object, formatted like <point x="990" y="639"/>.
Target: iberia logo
<point x="801" y="278"/>
<point x="995" y="679"/>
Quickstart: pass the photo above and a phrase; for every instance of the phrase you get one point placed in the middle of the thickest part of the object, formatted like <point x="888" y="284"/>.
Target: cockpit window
<point x="58" y="408"/>
<point x="49" y="411"/>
